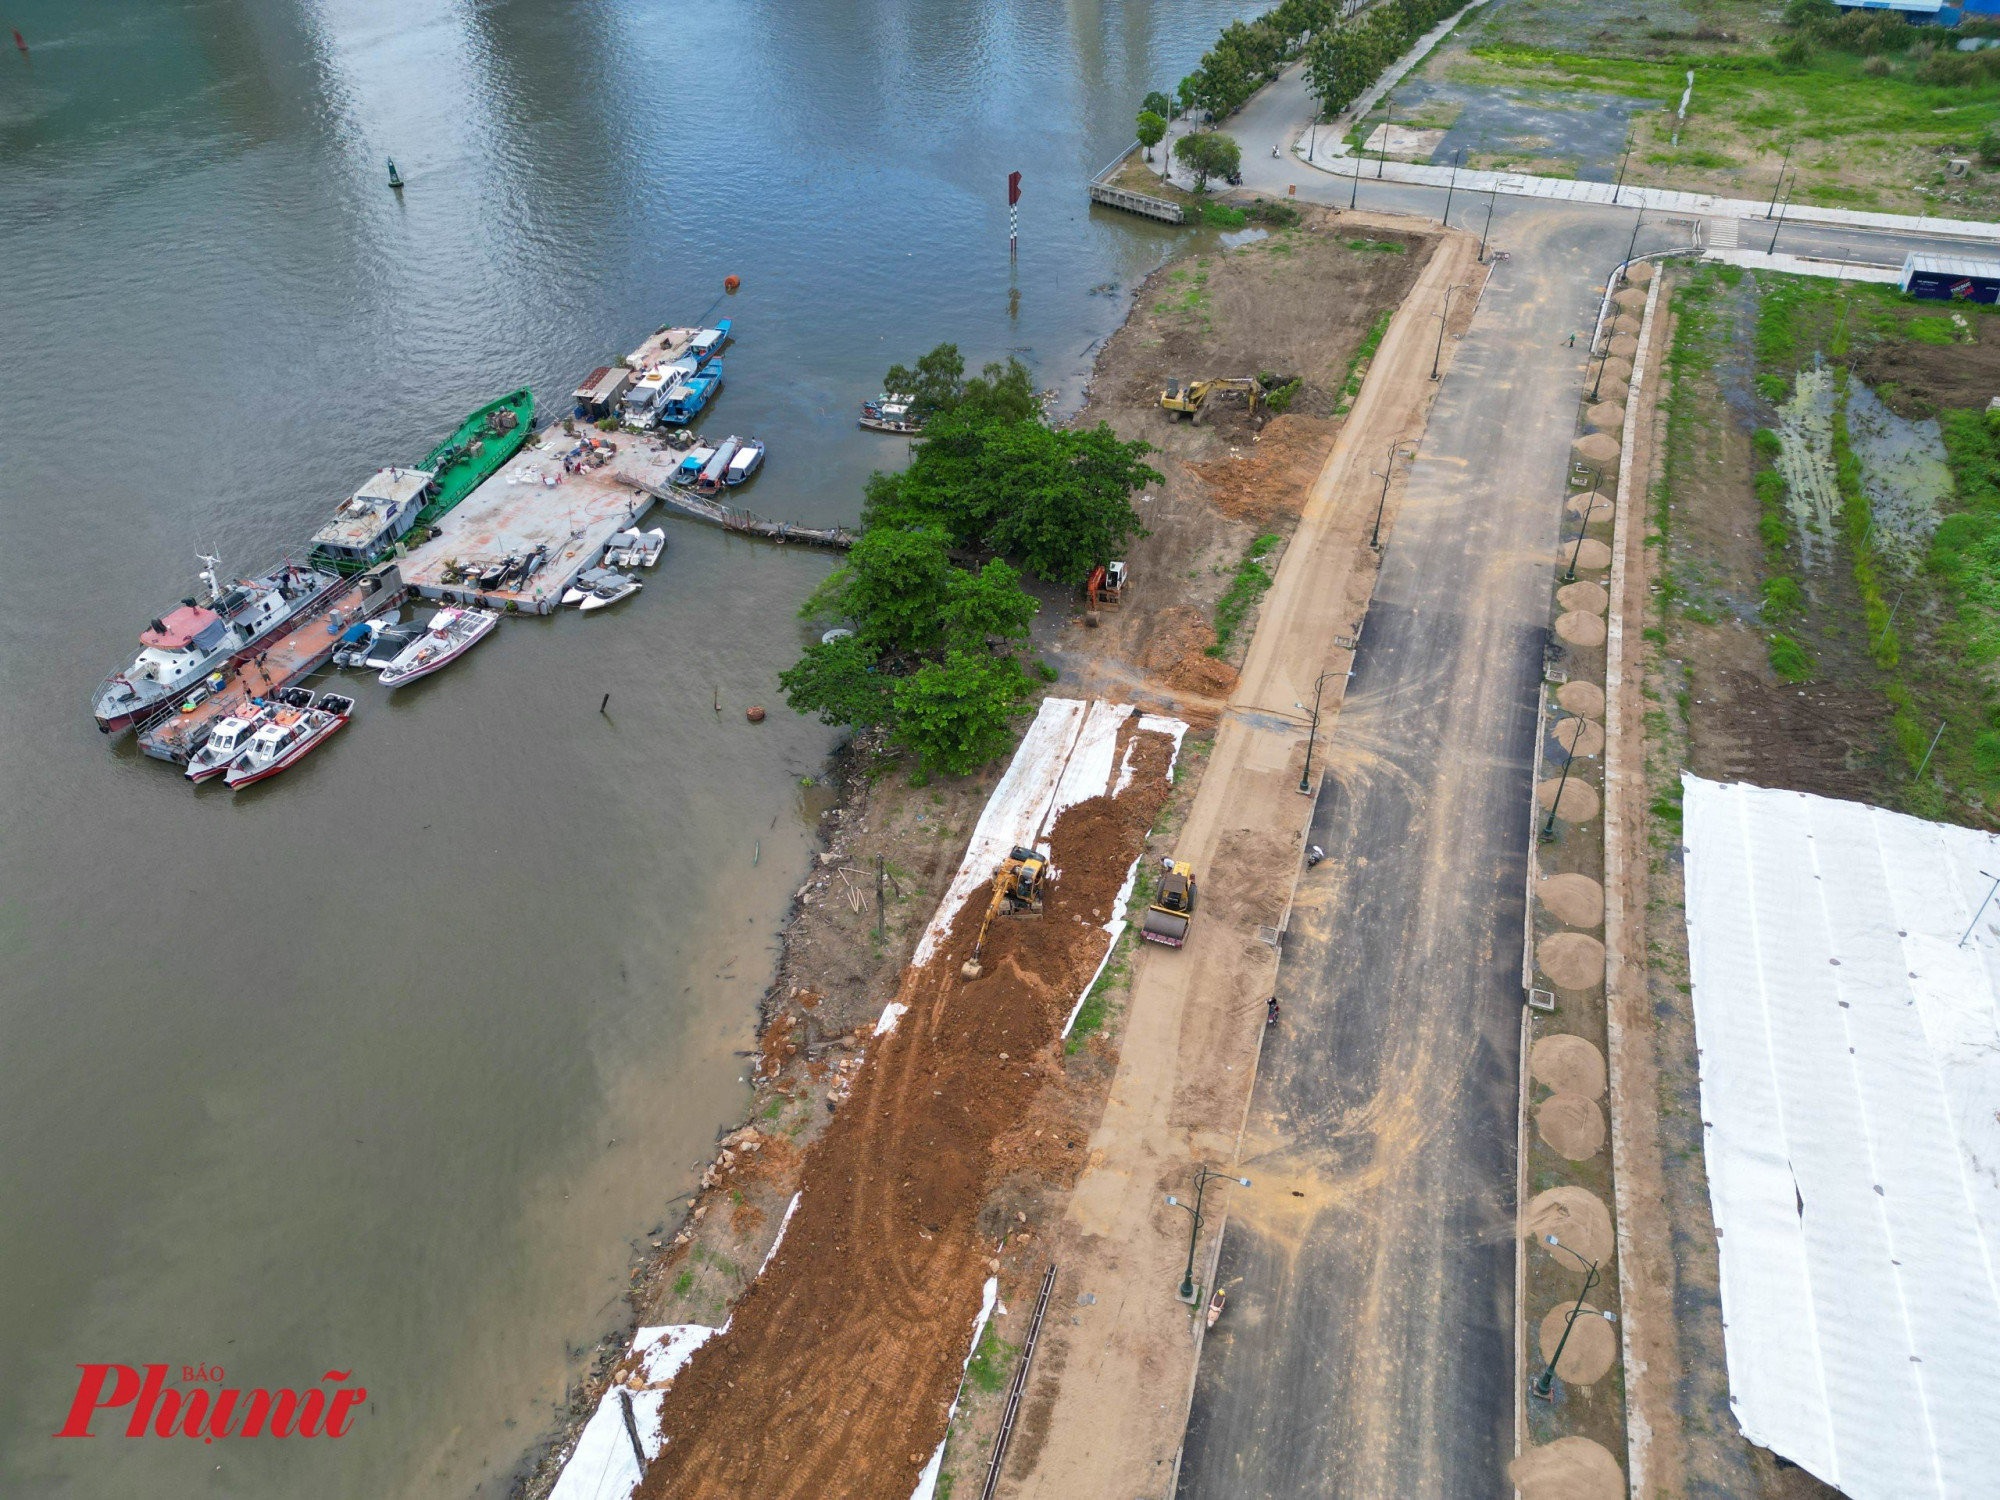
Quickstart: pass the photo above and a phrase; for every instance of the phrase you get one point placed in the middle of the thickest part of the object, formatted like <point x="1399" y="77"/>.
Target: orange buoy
<point x="755" y="714"/>
<point x="731" y="283"/>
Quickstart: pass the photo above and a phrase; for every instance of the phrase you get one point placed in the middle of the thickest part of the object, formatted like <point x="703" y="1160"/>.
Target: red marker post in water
<point x="20" y="41"/>
<point x="1013" y="210"/>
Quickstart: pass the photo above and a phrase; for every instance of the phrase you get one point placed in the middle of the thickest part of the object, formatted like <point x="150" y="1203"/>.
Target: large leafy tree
<point x="1208" y="154"/>
<point x="1068" y="498"/>
<point x="936" y="384"/>
<point x="842" y="681"/>
<point x="1157" y="103"/>
<point x="956" y="714"/>
<point x="986" y="606"/>
<point x="893" y="588"/>
<point x="1151" y="129"/>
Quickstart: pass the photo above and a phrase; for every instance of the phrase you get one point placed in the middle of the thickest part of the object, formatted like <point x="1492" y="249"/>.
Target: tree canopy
<point x="1151" y="129"/>
<point x="957" y="714"/>
<point x="1207" y="154"/>
<point x="1157" y="103"/>
<point x="1343" y="60"/>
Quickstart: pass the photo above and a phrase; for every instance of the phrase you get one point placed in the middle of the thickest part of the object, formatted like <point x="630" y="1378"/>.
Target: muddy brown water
<point x="384" y="1066"/>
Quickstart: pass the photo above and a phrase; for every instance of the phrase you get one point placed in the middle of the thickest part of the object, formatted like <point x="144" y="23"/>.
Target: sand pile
<point x="1571" y="1468"/>
<point x="837" y="1371"/>
<point x="1573" y="900"/>
<point x="1568" y="1064"/>
<point x="1572" y="1125"/>
<point x="1589" y="1349"/>
<point x="1577" y="1218"/>
<point x="1177" y="654"/>
<point x="1573" y="960"/>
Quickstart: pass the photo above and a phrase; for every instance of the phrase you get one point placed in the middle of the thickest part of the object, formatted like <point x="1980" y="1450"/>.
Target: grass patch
<point x="1357" y="364"/>
<point x="1252" y="578"/>
<point x="1377" y="247"/>
<point x="684" y="1283"/>
<point x="987" y="1370"/>
<point x="1789" y="659"/>
<point x="1222" y="216"/>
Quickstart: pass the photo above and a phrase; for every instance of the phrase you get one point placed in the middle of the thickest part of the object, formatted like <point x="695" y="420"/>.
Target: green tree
<point x="988" y="605"/>
<point x="1812" y="16"/>
<point x="1185" y="94"/>
<point x="955" y="714"/>
<point x="1157" y="103"/>
<point x="1151" y="129"/>
<point x="1001" y="393"/>
<point x="1066" y="497"/>
<point x="893" y="588"/>
<point x="840" y="680"/>
<point x="1208" y="154"/>
<point x="936" y="384"/>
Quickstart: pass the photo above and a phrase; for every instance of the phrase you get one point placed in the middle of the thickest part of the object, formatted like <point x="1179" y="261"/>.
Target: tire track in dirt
<point x="840" y="1363"/>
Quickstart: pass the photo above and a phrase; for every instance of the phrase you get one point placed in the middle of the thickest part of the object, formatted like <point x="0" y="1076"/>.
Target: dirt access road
<point x="1108" y="1402"/>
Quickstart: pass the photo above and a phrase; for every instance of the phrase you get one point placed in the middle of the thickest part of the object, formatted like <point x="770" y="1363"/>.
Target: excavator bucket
<point x="970" y="969"/>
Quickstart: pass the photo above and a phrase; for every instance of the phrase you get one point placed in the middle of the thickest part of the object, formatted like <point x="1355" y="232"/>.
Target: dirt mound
<point x="1580" y="629"/>
<point x="836" y="1374"/>
<point x="1572" y="1125"/>
<point x="1590" y="1348"/>
<point x="1923" y="377"/>
<point x="1573" y="960"/>
<point x="1571" y="1468"/>
<point x="1580" y="736"/>
<point x="1588" y="597"/>
<point x="1568" y="1064"/>
<point x="1574" y="900"/>
<point x="1585" y="698"/>
<point x="1265" y="479"/>
<point x="1177" y="654"/>
<point x="1577" y="1218"/>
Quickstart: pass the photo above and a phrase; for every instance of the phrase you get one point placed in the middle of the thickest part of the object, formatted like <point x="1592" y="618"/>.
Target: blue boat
<point x="684" y="402"/>
<point x="705" y="345"/>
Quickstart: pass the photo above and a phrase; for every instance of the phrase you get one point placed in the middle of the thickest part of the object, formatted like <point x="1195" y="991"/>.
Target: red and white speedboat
<point x="289" y="738"/>
<point x="453" y="632"/>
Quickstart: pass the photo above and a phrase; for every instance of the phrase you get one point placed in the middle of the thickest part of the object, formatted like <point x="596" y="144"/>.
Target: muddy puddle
<point x="1904" y="474"/>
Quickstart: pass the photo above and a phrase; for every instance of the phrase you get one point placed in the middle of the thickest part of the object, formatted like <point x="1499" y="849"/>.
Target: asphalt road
<point x="1367" y="1347"/>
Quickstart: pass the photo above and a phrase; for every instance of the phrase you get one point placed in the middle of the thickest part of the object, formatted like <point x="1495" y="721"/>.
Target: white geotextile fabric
<point x="1850" y="1091"/>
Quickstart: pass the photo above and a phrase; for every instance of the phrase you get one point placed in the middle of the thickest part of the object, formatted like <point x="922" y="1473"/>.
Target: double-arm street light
<point x="1201" y="1180"/>
<point x="1312" y="735"/>
<point x="1545" y="1382"/>
<point x="1590" y="507"/>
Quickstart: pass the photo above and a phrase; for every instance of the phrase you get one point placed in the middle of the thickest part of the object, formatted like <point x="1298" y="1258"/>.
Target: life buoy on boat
<point x="731" y="283"/>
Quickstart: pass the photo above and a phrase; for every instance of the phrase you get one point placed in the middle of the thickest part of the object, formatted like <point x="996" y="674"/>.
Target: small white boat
<point x="746" y="461"/>
<point x="453" y="632"/>
<point x="609" y="591"/>
<point x="586" y="582"/>
<point x="646" y="552"/>
<point x="228" y="740"/>
<point x="623" y="548"/>
<point x="289" y="738"/>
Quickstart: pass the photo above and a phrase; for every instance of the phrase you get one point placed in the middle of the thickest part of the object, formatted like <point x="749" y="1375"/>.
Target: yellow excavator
<point x="1017" y="891"/>
<point x="1186" y="397"/>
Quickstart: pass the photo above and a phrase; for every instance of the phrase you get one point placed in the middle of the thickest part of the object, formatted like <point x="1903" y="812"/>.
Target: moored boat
<point x="229" y="739"/>
<point x="609" y="590"/>
<point x="371" y="521"/>
<point x="452" y="633"/>
<point x="183" y="645"/>
<point x="475" y="451"/>
<point x="688" y="470"/>
<point x="646" y="552"/>
<point x="290" y="736"/>
<point x="717" y="467"/>
<point x="746" y="461"/>
<point x="706" y="344"/>
<point x="684" y="402"/>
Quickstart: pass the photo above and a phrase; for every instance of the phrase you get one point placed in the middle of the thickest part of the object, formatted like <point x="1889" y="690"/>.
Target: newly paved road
<point x="1367" y="1348"/>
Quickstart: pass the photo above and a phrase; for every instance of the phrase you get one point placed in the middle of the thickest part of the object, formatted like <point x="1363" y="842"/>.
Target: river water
<point x="385" y="1066"/>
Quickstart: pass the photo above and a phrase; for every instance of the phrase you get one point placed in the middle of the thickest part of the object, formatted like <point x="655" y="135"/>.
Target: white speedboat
<point x="292" y="735"/>
<point x="228" y="740"/>
<point x="745" y="462"/>
<point x="609" y="591"/>
<point x="645" y="552"/>
<point x="452" y="633"/>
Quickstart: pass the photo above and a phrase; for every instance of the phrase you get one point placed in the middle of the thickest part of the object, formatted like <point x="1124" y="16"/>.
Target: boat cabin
<point x="641" y="403"/>
<point x="377" y="514"/>
<point x="278" y="736"/>
<point x="228" y="736"/>
<point x="706" y="344"/>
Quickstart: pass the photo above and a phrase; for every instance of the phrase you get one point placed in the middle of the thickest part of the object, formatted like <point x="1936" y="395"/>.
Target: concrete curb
<point x="1638" y="1436"/>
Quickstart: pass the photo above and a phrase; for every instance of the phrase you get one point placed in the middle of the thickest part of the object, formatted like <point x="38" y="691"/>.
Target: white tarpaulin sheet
<point x="1850" y="1092"/>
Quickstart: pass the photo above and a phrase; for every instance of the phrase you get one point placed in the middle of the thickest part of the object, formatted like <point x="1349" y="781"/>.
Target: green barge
<point x="396" y="501"/>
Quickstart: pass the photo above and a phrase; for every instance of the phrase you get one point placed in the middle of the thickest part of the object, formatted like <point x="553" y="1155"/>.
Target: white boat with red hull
<point x="453" y="632"/>
<point x="292" y="735"/>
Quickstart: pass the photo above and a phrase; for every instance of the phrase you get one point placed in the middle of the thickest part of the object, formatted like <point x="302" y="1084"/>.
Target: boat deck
<point x="278" y="663"/>
<point x="662" y="348"/>
<point x="541" y="498"/>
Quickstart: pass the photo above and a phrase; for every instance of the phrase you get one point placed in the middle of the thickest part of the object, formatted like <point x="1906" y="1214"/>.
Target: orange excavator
<point x="1017" y="891"/>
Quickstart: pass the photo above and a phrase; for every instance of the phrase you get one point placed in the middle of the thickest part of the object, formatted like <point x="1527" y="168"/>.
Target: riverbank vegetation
<point x="1343" y="61"/>
<point x="932" y="615"/>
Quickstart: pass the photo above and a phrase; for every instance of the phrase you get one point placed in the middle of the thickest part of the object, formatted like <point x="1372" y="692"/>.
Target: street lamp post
<point x="1617" y="191"/>
<point x="1449" y="186"/>
<point x="1388" y="119"/>
<point x="1443" y="318"/>
<point x="1312" y="735"/>
<point x="1772" y="206"/>
<point x="1354" y="193"/>
<point x="1491" y="199"/>
<point x="1389" y="465"/>
<point x="1772" y="248"/>
<point x="1544" y="1385"/>
<point x="1634" y="245"/>
<point x="1201" y="1179"/>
